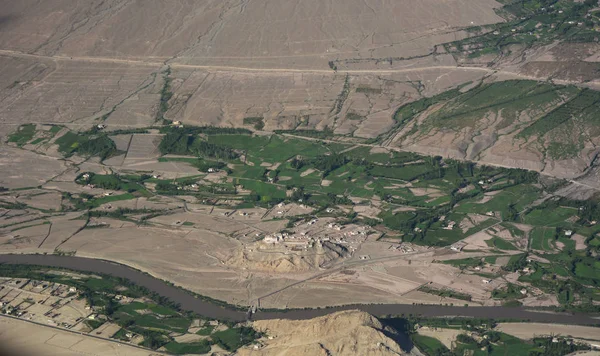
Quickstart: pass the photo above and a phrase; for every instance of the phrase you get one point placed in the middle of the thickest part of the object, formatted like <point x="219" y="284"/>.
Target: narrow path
<point x="273" y="70"/>
<point x="48" y="234"/>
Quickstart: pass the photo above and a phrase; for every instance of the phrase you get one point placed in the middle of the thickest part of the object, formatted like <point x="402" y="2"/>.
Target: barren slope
<point x="243" y="32"/>
<point x="343" y="333"/>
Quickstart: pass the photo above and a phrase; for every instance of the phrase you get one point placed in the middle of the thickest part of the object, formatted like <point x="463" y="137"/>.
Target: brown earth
<point x="344" y="333"/>
<point x="71" y="62"/>
<point x="26" y="338"/>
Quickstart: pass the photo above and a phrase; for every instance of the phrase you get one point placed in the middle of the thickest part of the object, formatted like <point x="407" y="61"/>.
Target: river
<point x="212" y="310"/>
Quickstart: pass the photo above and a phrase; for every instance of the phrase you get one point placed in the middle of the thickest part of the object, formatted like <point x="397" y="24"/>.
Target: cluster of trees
<point x="549" y="348"/>
<point x="244" y="335"/>
<point x="87" y="144"/>
<point x="165" y="96"/>
<point x="183" y="144"/>
<point x="517" y="264"/>
<point x="204" y="166"/>
<point x="101" y="146"/>
<point x="258" y="122"/>
<point x="326" y="164"/>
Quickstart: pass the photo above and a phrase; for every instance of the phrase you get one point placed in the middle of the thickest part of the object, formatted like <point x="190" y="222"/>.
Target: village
<point x="66" y="307"/>
<point x="306" y="235"/>
<point x="46" y="303"/>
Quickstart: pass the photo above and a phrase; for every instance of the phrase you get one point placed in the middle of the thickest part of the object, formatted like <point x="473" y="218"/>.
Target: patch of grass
<point x="584" y="99"/>
<point x="264" y="191"/>
<point x="120" y="335"/>
<point x="551" y="216"/>
<point x="368" y="90"/>
<point x="514" y="231"/>
<point x="234" y="338"/>
<point x="257" y="122"/>
<point x="588" y="270"/>
<point x="510" y="291"/>
<point x="354" y="116"/>
<point x="445" y="293"/>
<point x="207" y="330"/>
<point x="198" y="348"/>
<point x="500" y="244"/>
<point x="406" y="173"/>
<point x="94" y="324"/>
<point x="55" y="129"/>
<point x="165" y="95"/>
<point x="37" y="140"/>
<point x="542" y="238"/>
<point x="177" y="324"/>
<point x="518" y="196"/>
<point x="111" y="198"/>
<point x="490" y="259"/>
<point x="23" y="134"/>
<point x="86" y="145"/>
<point x="429" y="345"/>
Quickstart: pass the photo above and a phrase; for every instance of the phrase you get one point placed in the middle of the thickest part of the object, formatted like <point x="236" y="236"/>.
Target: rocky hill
<point x="338" y="334"/>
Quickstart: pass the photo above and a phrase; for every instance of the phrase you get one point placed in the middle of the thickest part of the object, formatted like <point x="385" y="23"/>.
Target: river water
<point x="212" y="310"/>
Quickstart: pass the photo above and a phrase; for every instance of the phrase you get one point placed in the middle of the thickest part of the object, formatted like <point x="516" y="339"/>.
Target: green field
<point x="518" y="196"/>
<point x="256" y="122"/>
<point x="332" y="173"/>
<point x="542" y="238"/>
<point x="549" y="217"/>
<point x="504" y="345"/>
<point x="233" y="338"/>
<point x="500" y="244"/>
<point x="201" y="347"/>
<point x="428" y="345"/>
<point x="23" y="134"/>
<point x="512" y="97"/>
<point x="207" y="330"/>
<point x="86" y="144"/>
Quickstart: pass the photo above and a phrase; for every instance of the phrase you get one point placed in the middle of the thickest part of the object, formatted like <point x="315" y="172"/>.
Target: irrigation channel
<point x="207" y="308"/>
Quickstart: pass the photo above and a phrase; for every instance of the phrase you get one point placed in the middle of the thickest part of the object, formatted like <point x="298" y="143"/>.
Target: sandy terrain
<point x="121" y="30"/>
<point x="308" y="63"/>
<point x="29" y="338"/>
<point x="106" y="330"/>
<point x="342" y="333"/>
<point x="16" y="168"/>
<point x="477" y="241"/>
<point x="529" y="330"/>
<point x="579" y="241"/>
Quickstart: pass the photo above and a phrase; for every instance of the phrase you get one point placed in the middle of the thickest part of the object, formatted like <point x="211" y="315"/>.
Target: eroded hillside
<point x="343" y="333"/>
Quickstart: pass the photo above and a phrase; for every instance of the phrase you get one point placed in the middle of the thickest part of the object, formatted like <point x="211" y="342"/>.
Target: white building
<point x="272" y="239"/>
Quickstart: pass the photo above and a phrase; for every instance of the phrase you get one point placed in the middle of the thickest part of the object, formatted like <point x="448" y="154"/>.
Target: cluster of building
<point x="317" y="235"/>
<point x="404" y="247"/>
<point x="44" y="302"/>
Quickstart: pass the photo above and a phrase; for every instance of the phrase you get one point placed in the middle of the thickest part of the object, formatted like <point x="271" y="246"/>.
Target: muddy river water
<point x="213" y="310"/>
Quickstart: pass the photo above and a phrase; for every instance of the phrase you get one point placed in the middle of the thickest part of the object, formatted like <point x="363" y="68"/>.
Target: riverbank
<point x="219" y="310"/>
